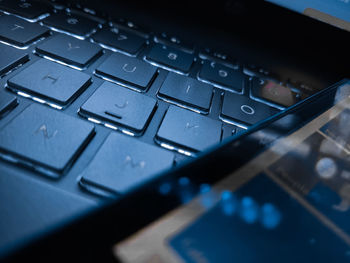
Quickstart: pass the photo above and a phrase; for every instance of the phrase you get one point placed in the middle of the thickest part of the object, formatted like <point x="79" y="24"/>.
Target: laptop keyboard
<point x="159" y="99"/>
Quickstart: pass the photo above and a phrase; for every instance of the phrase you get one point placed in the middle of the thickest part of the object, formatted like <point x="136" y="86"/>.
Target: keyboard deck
<point x="123" y="102"/>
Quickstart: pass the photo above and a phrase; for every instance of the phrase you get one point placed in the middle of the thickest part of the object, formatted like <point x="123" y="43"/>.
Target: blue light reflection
<point x="228" y="203"/>
<point x="248" y="210"/>
<point x="270" y="216"/>
<point x="165" y="188"/>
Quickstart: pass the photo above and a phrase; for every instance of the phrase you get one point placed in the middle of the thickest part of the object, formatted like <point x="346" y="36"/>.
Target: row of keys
<point x="78" y="53"/>
<point x="63" y="47"/>
<point x="59" y="139"/>
<point x="120" y="108"/>
<point x="131" y="41"/>
<point x="48" y="81"/>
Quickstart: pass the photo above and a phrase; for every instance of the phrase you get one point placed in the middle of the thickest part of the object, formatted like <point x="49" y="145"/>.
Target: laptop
<point x="98" y="99"/>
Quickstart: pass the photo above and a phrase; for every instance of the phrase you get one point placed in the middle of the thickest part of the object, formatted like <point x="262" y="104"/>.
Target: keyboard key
<point x="271" y="91"/>
<point x="10" y="58"/>
<point x="50" y="81"/>
<point x="7" y="102"/>
<point x="70" y="50"/>
<point x="187" y="91"/>
<point x="241" y="109"/>
<point x="123" y="163"/>
<point x="119" y="39"/>
<point x="130" y="26"/>
<point x="128" y="70"/>
<point x="171" y="57"/>
<point x="44" y="139"/>
<point x="71" y="23"/>
<point x="19" y="32"/>
<point x="190" y="130"/>
<point x="211" y="54"/>
<point x="222" y="76"/>
<point x="120" y="106"/>
<point x="27" y="9"/>
<point x="174" y="41"/>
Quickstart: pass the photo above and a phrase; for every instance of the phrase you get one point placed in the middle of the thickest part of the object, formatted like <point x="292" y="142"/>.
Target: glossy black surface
<point x="259" y="222"/>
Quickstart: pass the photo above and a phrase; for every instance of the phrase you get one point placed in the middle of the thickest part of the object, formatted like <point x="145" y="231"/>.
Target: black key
<point x="211" y="54"/>
<point x="71" y="23"/>
<point x="19" y="32"/>
<point x="174" y="41"/>
<point x="187" y="91"/>
<point x="119" y="39"/>
<point x="44" y="139"/>
<point x="223" y="76"/>
<point x="171" y="57"/>
<point x="10" y="58"/>
<point x="50" y="81"/>
<point x="70" y="50"/>
<point x="7" y="102"/>
<point x="127" y="70"/>
<point x="27" y="9"/>
<point x="130" y="26"/>
<point x="272" y="92"/>
<point x="189" y="130"/>
<point x="120" y="106"/>
<point x="241" y="109"/>
<point x="122" y="163"/>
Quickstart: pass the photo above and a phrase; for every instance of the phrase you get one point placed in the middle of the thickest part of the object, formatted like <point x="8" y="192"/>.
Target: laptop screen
<point x="334" y="12"/>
